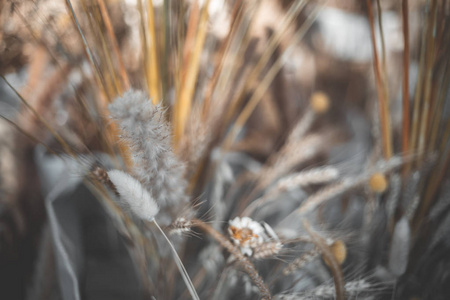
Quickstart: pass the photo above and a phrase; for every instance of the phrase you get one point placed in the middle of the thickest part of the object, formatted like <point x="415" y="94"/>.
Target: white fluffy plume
<point x="144" y="127"/>
<point x="134" y="195"/>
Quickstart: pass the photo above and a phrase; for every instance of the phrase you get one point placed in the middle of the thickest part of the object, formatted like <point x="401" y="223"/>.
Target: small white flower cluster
<point x="249" y="235"/>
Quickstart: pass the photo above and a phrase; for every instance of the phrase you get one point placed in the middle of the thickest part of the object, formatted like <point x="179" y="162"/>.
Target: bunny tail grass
<point x="134" y="195"/>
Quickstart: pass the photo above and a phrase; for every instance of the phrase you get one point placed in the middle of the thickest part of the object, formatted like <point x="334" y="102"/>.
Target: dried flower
<point x="249" y="234"/>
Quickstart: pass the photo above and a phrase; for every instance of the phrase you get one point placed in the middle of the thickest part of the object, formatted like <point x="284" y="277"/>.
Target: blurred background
<point x="255" y="93"/>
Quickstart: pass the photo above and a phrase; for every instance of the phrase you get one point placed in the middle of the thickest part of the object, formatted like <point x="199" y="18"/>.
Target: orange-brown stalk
<point x="264" y="85"/>
<point x="429" y="64"/>
<point x="419" y="86"/>
<point x="143" y="36"/>
<point x="271" y="47"/>
<point x="184" y="101"/>
<point x="109" y="87"/>
<point x="235" y="18"/>
<point x="405" y="86"/>
<point x="190" y="36"/>
<point x="439" y="106"/>
<point x="155" y="82"/>
<point x="382" y="101"/>
<point x="115" y="45"/>
<point x="105" y="66"/>
<point x="87" y="51"/>
<point x="383" y="54"/>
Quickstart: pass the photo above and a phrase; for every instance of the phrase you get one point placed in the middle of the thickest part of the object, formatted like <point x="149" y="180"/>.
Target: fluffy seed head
<point x="320" y="102"/>
<point x="134" y="195"/>
<point x="180" y="226"/>
<point x="268" y="249"/>
<point x="301" y="261"/>
<point x="399" y="252"/>
<point x="378" y="183"/>
<point x="144" y="128"/>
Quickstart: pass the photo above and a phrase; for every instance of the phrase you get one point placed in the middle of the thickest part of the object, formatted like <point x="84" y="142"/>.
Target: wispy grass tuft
<point x="244" y="131"/>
